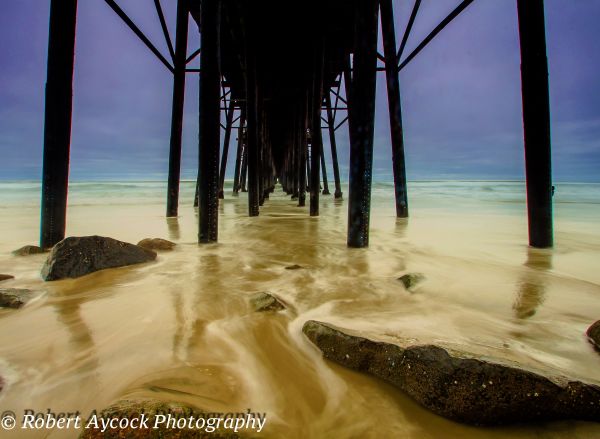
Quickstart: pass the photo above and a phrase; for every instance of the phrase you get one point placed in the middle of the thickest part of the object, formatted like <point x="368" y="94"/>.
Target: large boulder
<point x="78" y="256"/>
<point x="593" y="334"/>
<point x="156" y="244"/>
<point x="14" y="298"/>
<point x="457" y="386"/>
<point x="27" y="250"/>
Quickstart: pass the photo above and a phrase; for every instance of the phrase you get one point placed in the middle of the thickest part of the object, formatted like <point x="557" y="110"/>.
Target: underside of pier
<point x="289" y="70"/>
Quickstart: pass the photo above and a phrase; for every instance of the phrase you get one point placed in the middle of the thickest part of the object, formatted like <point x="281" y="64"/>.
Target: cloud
<point x="461" y="96"/>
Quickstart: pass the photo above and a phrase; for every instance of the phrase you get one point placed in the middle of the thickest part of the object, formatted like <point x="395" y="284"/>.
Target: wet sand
<point x="181" y="329"/>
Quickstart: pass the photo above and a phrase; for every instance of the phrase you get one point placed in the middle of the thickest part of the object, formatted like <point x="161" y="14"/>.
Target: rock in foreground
<point x="458" y="387"/>
<point x="150" y="408"/>
<point x="156" y="244"/>
<point x="593" y="334"/>
<point x="14" y="298"/>
<point x="266" y="302"/>
<point x="78" y="256"/>
<point x="294" y="267"/>
<point x="6" y="277"/>
<point x="410" y="280"/>
<point x="28" y="250"/>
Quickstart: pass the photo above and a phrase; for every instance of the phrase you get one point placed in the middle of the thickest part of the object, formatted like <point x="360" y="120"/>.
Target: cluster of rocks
<point x="457" y="386"/>
<point x="77" y="256"/>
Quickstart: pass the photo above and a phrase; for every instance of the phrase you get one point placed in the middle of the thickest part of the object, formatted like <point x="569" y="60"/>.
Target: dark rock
<point x="266" y="302"/>
<point x="151" y="408"/>
<point x="5" y="277"/>
<point x="78" y="256"/>
<point x="593" y="334"/>
<point x="410" y="280"/>
<point x="14" y="297"/>
<point x="457" y="387"/>
<point x="1" y="383"/>
<point x="156" y="244"/>
<point x="28" y="250"/>
<point x="294" y="267"/>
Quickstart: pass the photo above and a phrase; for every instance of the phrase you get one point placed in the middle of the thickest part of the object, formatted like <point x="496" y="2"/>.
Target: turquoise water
<point x="443" y="194"/>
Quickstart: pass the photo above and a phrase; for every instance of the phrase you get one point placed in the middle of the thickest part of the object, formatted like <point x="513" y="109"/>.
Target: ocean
<point x="181" y="328"/>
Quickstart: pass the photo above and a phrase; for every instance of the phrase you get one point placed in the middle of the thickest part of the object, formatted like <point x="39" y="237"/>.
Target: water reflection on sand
<point x="181" y="328"/>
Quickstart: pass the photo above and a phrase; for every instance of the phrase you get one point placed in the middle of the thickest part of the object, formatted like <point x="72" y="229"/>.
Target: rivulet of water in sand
<point x="181" y="329"/>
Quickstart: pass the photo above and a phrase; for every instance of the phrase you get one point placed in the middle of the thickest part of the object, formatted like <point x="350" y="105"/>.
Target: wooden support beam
<point x="536" y="121"/>
<point x="362" y="123"/>
<point x="210" y="101"/>
<point x="336" y="170"/>
<point x="394" y="106"/>
<point x="226" y="140"/>
<point x="181" y="37"/>
<point x="57" y="128"/>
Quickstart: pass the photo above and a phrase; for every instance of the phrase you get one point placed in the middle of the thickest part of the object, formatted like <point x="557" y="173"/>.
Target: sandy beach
<point x="181" y="328"/>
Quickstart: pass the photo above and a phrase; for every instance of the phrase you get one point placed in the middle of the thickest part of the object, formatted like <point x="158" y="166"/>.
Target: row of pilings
<point x="280" y="77"/>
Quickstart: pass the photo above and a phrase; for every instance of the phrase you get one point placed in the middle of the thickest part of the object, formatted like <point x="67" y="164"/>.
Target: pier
<point x="282" y="74"/>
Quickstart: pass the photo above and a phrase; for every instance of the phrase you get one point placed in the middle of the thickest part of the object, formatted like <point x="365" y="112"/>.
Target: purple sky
<point x="461" y="95"/>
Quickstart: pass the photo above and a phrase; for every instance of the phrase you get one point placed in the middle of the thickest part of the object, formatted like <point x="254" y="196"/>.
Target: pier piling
<point x="361" y="109"/>
<point x="279" y="75"/>
<point x="57" y="126"/>
<point x="210" y="101"/>
<point x="238" y="158"/>
<point x="253" y="141"/>
<point x="394" y="105"/>
<point x="226" y="140"/>
<point x="179" y="61"/>
<point x="316" y="135"/>
<point x="536" y="121"/>
<point x="333" y="144"/>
